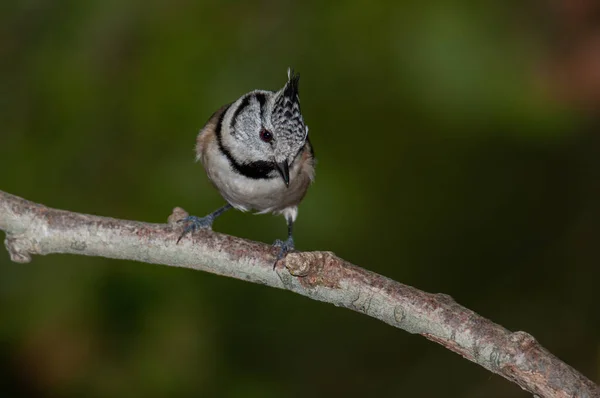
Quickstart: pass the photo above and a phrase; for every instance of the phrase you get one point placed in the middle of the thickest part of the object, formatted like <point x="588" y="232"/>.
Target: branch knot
<point x="18" y="249"/>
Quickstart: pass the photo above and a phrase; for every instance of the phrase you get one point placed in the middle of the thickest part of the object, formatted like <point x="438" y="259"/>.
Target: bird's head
<point x="263" y="131"/>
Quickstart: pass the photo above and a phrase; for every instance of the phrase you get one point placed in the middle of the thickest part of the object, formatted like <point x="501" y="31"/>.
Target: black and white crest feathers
<point x="291" y="88"/>
<point x="286" y="115"/>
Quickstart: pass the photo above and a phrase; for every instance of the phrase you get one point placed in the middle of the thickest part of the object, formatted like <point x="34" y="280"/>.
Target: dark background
<point x="458" y="152"/>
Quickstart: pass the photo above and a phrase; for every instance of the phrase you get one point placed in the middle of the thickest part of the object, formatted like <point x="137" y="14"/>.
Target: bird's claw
<point x="194" y="223"/>
<point x="285" y="246"/>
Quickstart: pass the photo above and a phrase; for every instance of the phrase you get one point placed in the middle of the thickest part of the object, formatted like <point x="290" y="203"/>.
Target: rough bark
<point x="35" y="229"/>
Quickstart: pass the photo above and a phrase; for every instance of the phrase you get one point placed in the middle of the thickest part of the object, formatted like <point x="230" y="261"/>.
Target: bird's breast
<point x="264" y="195"/>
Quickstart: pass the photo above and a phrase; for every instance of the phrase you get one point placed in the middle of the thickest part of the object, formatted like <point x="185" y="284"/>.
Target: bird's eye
<point x="266" y="135"/>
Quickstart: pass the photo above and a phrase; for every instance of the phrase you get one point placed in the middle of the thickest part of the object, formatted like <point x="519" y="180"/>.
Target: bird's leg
<point x="287" y="245"/>
<point x="193" y="223"/>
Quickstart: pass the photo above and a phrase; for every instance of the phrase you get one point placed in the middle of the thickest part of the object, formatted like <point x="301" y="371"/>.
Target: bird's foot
<point x="194" y="223"/>
<point x="285" y="247"/>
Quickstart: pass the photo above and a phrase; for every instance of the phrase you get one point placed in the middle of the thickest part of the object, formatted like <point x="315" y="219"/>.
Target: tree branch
<point x="35" y="229"/>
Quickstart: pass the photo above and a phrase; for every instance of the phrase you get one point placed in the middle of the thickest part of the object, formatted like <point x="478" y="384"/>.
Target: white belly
<point x="262" y="195"/>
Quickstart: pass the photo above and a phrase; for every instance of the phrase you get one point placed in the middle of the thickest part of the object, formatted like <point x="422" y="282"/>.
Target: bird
<point x="257" y="154"/>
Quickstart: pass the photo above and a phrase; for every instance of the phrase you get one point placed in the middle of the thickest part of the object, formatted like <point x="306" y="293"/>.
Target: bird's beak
<point x="284" y="170"/>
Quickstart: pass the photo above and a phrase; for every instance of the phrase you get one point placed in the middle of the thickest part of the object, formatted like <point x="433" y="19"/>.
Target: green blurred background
<point x="458" y="152"/>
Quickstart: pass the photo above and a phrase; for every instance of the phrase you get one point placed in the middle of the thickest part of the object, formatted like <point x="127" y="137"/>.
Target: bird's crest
<point x="286" y="110"/>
